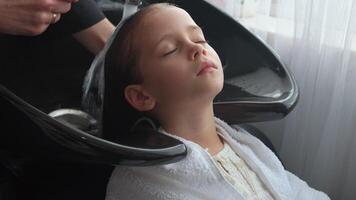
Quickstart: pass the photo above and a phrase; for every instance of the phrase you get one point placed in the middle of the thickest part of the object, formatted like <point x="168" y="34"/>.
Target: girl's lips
<point x="205" y="66"/>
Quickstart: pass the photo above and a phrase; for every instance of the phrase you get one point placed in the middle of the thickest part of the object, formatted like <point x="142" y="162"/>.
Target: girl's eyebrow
<point x="190" y="28"/>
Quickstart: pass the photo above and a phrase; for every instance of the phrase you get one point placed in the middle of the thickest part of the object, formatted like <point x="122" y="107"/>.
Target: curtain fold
<point x="316" y="41"/>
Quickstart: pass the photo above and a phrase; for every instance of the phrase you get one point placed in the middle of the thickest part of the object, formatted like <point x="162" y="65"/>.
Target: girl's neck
<point x="194" y="123"/>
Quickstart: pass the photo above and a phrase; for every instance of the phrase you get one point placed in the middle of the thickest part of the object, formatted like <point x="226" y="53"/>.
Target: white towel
<point x="197" y="176"/>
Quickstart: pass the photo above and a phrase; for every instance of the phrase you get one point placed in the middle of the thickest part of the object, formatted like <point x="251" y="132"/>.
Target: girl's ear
<point x="139" y="98"/>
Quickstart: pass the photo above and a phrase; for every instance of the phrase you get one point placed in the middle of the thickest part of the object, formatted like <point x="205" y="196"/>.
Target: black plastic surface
<point x="48" y="74"/>
<point x="32" y="132"/>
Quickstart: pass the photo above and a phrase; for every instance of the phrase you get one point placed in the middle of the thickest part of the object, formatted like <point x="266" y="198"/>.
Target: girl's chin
<point x="215" y="88"/>
<point x="209" y="94"/>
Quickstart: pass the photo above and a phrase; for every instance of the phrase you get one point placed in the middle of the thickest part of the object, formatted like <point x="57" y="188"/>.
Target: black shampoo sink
<point x="46" y="74"/>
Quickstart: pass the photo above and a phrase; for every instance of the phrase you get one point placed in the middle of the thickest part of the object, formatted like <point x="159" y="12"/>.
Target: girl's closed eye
<point x="171" y="51"/>
<point x="174" y="49"/>
<point x="167" y="48"/>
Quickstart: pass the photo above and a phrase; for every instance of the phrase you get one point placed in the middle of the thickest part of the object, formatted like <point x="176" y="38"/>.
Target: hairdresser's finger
<point x="35" y="30"/>
<point x="40" y="18"/>
<point x="45" y="18"/>
<point x="60" y="6"/>
<point x="55" y="17"/>
<point x="71" y="1"/>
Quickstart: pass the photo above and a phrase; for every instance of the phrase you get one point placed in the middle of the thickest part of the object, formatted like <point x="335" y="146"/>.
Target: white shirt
<point x="239" y="174"/>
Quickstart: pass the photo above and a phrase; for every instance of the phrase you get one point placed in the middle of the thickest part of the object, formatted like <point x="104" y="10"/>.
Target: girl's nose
<point x="195" y="50"/>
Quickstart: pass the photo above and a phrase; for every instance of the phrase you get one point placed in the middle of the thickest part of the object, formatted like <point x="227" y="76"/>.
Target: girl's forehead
<point x="166" y="17"/>
<point x="162" y="21"/>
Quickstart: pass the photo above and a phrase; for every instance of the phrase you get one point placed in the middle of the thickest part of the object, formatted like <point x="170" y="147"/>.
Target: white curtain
<point x="316" y="41"/>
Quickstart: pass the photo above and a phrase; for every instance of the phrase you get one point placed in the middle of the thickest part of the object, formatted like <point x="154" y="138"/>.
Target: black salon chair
<point x="35" y="146"/>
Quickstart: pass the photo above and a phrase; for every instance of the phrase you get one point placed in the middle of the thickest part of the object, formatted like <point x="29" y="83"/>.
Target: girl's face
<point x="175" y="61"/>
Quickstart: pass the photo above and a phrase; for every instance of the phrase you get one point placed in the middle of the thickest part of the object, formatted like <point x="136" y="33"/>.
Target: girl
<point x="167" y="71"/>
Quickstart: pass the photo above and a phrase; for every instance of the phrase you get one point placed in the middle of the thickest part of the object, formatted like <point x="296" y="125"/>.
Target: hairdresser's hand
<point x="30" y="17"/>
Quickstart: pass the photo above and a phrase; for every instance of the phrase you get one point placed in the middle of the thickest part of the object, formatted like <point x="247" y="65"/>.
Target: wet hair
<point x="121" y="69"/>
